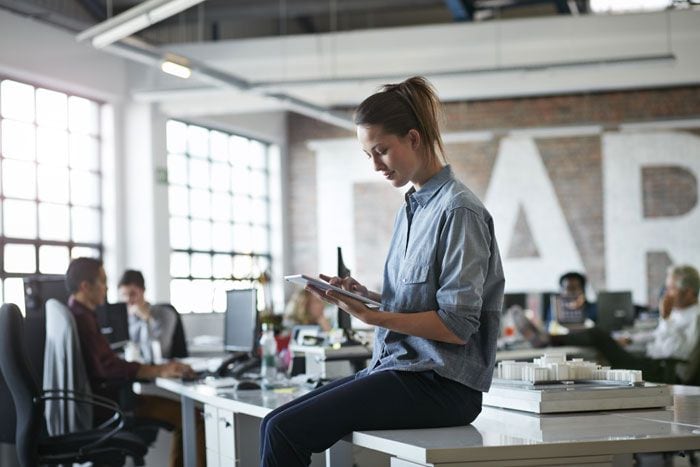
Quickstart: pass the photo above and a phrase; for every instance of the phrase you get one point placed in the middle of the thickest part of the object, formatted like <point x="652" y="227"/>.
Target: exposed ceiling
<point x="215" y="20"/>
<point x="257" y="55"/>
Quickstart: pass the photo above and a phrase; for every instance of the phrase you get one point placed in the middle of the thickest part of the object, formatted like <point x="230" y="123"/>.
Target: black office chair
<point x="178" y="349"/>
<point x="107" y="444"/>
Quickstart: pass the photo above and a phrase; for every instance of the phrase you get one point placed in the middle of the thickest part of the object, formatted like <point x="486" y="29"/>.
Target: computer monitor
<point x="113" y="319"/>
<point x="39" y="289"/>
<point x="344" y="319"/>
<point x="615" y="309"/>
<point x="241" y="321"/>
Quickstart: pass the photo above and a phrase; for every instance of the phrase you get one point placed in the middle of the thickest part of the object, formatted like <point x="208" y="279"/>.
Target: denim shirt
<point x="443" y="257"/>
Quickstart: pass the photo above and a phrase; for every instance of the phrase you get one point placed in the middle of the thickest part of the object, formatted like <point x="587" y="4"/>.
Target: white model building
<point x="555" y="367"/>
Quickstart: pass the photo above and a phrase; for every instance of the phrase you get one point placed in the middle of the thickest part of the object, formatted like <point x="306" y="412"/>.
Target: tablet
<point x="305" y="280"/>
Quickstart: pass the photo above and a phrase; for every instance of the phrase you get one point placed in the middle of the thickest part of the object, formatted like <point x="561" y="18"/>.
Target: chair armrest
<point x="97" y="401"/>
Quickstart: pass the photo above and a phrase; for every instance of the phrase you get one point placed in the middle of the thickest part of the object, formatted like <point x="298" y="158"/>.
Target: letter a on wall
<point x="520" y="181"/>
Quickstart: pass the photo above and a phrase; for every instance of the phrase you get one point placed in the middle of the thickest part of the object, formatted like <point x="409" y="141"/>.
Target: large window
<point x="51" y="183"/>
<point x="219" y="198"/>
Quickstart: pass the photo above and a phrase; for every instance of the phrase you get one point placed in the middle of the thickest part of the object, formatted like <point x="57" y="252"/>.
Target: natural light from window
<point x="51" y="183"/>
<point x="219" y="206"/>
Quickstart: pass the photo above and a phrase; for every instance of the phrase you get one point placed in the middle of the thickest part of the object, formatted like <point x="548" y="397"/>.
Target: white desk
<point x="497" y="437"/>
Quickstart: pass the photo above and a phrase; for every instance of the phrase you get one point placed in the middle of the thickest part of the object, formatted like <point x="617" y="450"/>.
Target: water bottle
<point x="268" y="347"/>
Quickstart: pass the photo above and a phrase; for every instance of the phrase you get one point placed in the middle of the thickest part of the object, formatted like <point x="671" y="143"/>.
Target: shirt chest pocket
<point x="413" y="273"/>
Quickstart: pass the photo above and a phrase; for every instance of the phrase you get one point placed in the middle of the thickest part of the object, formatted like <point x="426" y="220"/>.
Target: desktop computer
<point x="113" y="319"/>
<point x="615" y="310"/>
<point x="241" y="331"/>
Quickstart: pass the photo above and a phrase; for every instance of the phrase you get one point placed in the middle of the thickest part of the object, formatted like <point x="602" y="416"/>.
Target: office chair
<point x="178" y="349"/>
<point x="107" y="444"/>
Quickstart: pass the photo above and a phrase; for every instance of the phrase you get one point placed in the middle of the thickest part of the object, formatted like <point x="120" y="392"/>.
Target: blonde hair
<point x="399" y="108"/>
<point x="298" y="308"/>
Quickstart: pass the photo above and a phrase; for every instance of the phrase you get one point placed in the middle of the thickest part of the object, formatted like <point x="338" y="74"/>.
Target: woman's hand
<point x="351" y="306"/>
<point x="347" y="283"/>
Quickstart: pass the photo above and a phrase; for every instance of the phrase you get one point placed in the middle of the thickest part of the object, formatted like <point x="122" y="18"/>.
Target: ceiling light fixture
<point x="176" y="69"/>
<point x="133" y="20"/>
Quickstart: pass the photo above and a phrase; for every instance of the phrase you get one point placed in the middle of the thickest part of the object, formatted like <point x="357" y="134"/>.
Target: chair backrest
<point x="691" y="373"/>
<point x="64" y="369"/>
<point x="19" y="377"/>
<point x="178" y="348"/>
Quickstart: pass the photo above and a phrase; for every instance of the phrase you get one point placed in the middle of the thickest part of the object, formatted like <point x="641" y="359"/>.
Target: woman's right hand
<point x="347" y="283"/>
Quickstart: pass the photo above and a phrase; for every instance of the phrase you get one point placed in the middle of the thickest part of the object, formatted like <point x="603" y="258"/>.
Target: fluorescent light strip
<point x="175" y="69"/>
<point x="134" y="20"/>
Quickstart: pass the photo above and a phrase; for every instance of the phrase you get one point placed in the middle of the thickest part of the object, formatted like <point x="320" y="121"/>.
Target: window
<point x="219" y="202"/>
<point x="50" y="183"/>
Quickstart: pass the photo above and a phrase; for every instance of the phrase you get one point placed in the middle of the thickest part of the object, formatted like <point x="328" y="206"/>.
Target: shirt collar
<point x="74" y="304"/>
<point x="431" y="187"/>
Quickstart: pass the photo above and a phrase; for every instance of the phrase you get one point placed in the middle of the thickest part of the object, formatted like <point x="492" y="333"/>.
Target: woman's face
<point x="397" y="157"/>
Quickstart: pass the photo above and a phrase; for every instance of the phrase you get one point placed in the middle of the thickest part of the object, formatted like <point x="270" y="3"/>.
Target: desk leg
<point x="339" y="455"/>
<point x="189" y="432"/>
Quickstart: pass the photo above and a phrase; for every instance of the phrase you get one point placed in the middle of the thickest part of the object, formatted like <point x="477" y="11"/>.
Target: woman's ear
<point x="414" y="138"/>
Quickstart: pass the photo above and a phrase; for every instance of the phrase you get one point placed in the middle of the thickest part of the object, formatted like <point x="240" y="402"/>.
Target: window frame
<point x="37" y="242"/>
<point x="255" y="256"/>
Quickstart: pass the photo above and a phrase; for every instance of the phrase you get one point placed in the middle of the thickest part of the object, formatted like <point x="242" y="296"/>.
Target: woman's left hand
<point x="351" y="306"/>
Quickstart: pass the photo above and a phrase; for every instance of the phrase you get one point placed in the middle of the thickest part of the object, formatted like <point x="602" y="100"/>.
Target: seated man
<point x="87" y="283"/>
<point x="147" y="324"/>
<point x="572" y="296"/>
<point x="677" y="334"/>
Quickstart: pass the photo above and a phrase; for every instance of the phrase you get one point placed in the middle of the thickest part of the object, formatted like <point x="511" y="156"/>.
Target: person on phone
<point x="668" y="347"/>
<point x="148" y="324"/>
<point x="442" y="293"/>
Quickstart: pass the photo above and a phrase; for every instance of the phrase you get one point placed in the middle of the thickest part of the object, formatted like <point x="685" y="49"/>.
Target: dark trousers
<point x="169" y="411"/>
<point x="656" y="370"/>
<point x="380" y="401"/>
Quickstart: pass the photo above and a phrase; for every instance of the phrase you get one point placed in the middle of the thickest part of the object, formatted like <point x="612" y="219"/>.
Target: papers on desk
<point x="224" y="382"/>
<point x="201" y="364"/>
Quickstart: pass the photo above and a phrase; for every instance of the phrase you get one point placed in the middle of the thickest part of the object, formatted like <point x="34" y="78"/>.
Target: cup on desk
<point x="132" y="352"/>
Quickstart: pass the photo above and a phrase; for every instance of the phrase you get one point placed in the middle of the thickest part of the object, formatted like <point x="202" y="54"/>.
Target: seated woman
<point x="306" y="308"/>
<point x="147" y="324"/>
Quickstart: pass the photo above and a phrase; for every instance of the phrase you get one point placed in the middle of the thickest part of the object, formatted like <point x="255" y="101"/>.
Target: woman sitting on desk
<point x="306" y="308"/>
<point x="442" y="293"/>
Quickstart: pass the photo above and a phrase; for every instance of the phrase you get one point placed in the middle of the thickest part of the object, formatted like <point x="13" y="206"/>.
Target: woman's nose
<point x="378" y="164"/>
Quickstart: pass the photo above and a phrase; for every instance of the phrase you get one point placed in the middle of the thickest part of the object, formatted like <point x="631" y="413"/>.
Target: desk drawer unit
<point x="211" y="429"/>
<point x="227" y="436"/>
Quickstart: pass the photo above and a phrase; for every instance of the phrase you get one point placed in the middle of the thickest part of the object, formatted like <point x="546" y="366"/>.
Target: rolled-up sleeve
<point x="463" y="257"/>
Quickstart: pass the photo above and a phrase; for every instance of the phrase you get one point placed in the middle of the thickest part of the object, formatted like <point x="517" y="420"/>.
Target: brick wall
<point x="573" y="164"/>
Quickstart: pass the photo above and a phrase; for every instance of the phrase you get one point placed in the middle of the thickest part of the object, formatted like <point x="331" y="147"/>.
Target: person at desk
<point x="435" y="342"/>
<point x="148" y="325"/>
<point x="86" y="282"/>
<point x="572" y="294"/>
<point x="675" y="337"/>
<point x="306" y="308"/>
